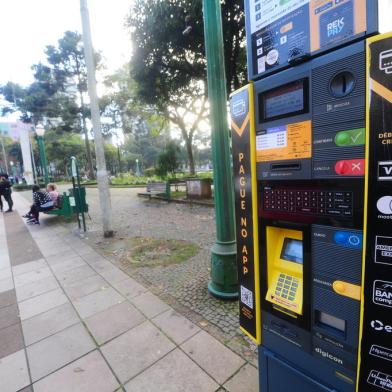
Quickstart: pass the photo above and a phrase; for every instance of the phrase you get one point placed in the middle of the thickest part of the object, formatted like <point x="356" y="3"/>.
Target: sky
<point x="28" y="26"/>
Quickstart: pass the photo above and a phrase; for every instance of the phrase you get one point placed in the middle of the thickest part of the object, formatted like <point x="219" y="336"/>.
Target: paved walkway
<point x="71" y="321"/>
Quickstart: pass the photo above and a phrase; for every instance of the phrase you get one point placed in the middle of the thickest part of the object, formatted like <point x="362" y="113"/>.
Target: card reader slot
<point x="285" y="166"/>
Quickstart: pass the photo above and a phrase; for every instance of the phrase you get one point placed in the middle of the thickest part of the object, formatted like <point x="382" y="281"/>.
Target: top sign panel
<point x="281" y="33"/>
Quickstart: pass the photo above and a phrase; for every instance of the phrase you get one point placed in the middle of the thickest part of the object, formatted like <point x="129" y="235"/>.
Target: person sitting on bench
<point x="42" y="202"/>
<point x="54" y="195"/>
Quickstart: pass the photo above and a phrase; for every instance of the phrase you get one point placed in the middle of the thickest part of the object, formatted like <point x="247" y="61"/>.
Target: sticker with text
<point x="382" y="293"/>
<point x="381" y="352"/>
<point x="383" y="251"/>
<point x="380" y="380"/>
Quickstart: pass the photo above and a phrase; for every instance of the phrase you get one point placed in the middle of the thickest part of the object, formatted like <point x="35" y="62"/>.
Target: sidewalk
<point x="71" y="321"/>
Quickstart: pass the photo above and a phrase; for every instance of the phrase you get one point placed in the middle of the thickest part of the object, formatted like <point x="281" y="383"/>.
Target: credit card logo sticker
<point x="385" y="171"/>
<point x="386" y="61"/>
<point x="384" y="205"/>
<point x="380" y="380"/>
<point x="382" y="293"/>
<point x="381" y="352"/>
<point x="379" y="326"/>
<point x="383" y="251"/>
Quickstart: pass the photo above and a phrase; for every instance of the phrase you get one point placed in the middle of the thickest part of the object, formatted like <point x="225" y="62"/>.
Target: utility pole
<point x="102" y="175"/>
<point x="4" y="154"/>
<point x="224" y="277"/>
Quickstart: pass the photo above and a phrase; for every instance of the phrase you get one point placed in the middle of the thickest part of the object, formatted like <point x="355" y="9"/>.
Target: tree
<point x="169" y="67"/>
<point x="69" y="68"/>
<point x="167" y="160"/>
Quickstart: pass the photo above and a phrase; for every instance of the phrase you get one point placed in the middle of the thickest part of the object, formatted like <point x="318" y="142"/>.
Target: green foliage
<point x="170" y="68"/>
<point x="167" y="160"/>
<point x="149" y="172"/>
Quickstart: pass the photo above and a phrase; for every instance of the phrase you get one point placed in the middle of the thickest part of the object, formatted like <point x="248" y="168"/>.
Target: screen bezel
<point x="305" y="91"/>
<point x="284" y="256"/>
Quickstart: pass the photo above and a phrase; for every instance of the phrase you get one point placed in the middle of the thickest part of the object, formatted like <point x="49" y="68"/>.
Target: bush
<point x="149" y="172"/>
<point x="25" y="187"/>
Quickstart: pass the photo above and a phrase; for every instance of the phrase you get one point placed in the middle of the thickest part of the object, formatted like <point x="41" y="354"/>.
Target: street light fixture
<point x="40" y="132"/>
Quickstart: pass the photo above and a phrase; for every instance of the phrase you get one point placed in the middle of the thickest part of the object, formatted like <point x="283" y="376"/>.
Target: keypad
<point x="287" y="287"/>
<point x="329" y="203"/>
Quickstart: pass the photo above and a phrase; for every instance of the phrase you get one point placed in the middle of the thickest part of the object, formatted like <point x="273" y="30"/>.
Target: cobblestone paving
<point x="183" y="286"/>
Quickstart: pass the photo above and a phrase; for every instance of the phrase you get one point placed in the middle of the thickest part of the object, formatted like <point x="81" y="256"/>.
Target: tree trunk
<point x="86" y="141"/>
<point x="189" y="150"/>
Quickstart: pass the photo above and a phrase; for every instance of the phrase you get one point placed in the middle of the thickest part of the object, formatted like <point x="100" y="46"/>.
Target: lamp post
<point x="137" y="168"/>
<point x="40" y="131"/>
<point x="224" y="277"/>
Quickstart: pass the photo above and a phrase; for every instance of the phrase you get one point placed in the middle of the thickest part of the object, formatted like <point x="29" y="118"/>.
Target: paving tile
<point x="210" y="354"/>
<point x="11" y="340"/>
<point x="61" y="257"/>
<point x="97" y="302"/>
<point x="114" y="275"/>
<point x="129" y="288"/>
<point x="174" y="373"/>
<point x="7" y="298"/>
<point x="75" y="274"/>
<point x="57" y="350"/>
<point x="92" y="256"/>
<point x="55" y="250"/>
<point x="41" y="303"/>
<point x="175" y="326"/>
<point x="5" y="273"/>
<point x="27" y="389"/>
<point x="122" y="317"/>
<point x="68" y="264"/>
<point x="14" y="374"/>
<point x="28" y="267"/>
<point x="135" y="350"/>
<point x="85" y="286"/>
<point x="87" y="374"/>
<point x="101" y="265"/>
<point x="149" y="304"/>
<point x="246" y="380"/>
<point x="9" y="315"/>
<point x="32" y="276"/>
<point x="36" y="288"/>
<point x="6" y="284"/>
<point x="49" y="323"/>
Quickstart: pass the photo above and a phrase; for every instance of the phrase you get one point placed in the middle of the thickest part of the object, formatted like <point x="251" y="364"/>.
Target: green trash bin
<point x="79" y="193"/>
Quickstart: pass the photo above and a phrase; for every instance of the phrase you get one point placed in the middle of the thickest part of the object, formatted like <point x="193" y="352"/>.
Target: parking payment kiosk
<point x="312" y="165"/>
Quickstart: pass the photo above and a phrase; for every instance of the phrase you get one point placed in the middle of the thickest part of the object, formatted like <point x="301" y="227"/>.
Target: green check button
<point x="352" y="137"/>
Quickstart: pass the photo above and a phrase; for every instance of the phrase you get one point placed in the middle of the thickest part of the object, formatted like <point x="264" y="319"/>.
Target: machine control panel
<point x="305" y="201"/>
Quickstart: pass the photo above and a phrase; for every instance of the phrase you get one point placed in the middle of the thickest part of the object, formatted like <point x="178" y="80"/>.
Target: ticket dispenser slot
<point x="285" y="257"/>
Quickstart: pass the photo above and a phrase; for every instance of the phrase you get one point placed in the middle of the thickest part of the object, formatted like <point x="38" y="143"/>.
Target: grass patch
<point x="145" y="251"/>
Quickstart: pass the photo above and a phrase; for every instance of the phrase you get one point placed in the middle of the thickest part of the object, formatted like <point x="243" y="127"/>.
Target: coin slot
<point x="342" y="84"/>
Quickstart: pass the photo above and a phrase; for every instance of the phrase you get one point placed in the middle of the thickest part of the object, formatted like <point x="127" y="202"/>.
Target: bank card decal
<point x="375" y="369"/>
<point x="290" y="141"/>
<point x="245" y="192"/>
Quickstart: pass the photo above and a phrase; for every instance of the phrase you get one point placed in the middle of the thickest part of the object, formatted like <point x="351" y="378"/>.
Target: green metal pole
<point x="42" y="154"/>
<point x="224" y="278"/>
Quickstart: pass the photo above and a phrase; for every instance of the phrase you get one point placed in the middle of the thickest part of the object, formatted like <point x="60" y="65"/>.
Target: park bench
<point x="63" y="208"/>
<point x="158" y="189"/>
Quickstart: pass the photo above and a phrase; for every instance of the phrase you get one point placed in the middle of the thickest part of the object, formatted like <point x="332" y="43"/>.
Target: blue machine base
<point x="276" y="375"/>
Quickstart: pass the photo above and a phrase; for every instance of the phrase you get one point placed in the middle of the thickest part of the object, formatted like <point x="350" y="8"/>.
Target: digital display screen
<point x="292" y="251"/>
<point x="290" y="99"/>
<point x="331" y="321"/>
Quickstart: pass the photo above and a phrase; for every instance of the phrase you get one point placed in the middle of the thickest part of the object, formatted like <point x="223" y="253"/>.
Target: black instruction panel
<point x="376" y="345"/>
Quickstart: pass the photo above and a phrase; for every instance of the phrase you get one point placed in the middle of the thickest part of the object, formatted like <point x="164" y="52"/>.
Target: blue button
<point x="349" y="240"/>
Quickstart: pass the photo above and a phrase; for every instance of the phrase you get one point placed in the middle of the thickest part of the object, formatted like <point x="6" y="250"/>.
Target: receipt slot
<point x="312" y="137"/>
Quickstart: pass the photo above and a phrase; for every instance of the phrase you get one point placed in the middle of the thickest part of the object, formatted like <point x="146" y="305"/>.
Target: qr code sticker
<point x="246" y="297"/>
